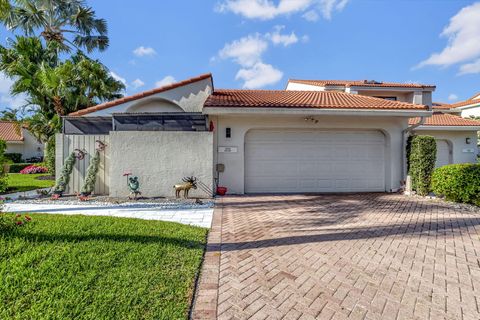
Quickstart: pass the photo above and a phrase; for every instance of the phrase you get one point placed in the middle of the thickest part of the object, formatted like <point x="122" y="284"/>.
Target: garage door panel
<point x="314" y="161"/>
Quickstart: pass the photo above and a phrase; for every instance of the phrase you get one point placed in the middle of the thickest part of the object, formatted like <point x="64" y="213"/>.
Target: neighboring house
<point x="404" y="92"/>
<point x="467" y="108"/>
<point x="332" y="138"/>
<point x="20" y="140"/>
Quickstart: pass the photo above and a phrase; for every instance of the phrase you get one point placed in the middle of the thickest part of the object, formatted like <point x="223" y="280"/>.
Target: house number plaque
<point x="227" y="149"/>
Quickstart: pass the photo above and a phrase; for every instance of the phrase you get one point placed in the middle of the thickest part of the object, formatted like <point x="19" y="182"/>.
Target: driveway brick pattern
<point x="361" y="256"/>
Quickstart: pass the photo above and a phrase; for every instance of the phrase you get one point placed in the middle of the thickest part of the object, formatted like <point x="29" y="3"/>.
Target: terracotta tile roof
<point x="301" y="99"/>
<point x="465" y="103"/>
<point x="445" y="119"/>
<point x="440" y="106"/>
<point x="360" y="83"/>
<point x="140" y="95"/>
<point x="9" y="131"/>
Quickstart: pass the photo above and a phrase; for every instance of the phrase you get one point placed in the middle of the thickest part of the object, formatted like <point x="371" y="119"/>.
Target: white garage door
<point x="443" y="153"/>
<point x="314" y="161"/>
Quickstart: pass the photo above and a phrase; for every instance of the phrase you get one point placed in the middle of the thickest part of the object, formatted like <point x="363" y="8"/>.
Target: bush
<point x="458" y="182"/>
<point x="50" y="156"/>
<point x="15" y="157"/>
<point x="17" y="167"/>
<point x="33" y="169"/>
<point x="422" y="158"/>
<point x="3" y="167"/>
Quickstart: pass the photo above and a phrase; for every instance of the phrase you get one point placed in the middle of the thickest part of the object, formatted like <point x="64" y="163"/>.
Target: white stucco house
<point x="467" y="108"/>
<point x="20" y="140"/>
<point x="314" y="136"/>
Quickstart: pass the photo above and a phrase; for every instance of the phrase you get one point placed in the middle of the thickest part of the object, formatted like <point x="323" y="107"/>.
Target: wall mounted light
<point x="468" y="140"/>
<point x="228" y="132"/>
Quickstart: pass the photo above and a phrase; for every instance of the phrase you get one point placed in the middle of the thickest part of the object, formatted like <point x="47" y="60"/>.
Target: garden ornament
<point x="190" y="182"/>
<point x="80" y="154"/>
<point x="100" y="145"/>
<point x="133" y="185"/>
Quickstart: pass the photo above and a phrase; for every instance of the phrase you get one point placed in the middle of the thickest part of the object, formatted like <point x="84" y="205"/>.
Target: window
<point x="388" y="98"/>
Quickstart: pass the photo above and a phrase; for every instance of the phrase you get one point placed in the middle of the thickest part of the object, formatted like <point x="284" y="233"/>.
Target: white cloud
<point x="259" y="75"/>
<point x="246" y="51"/>
<point x="137" y="83"/>
<point x="119" y="78"/>
<point x="165" y="81"/>
<point x="285" y="39"/>
<point x="6" y="99"/>
<point x="463" y="41"/>
<point x="311" y="15"/>
<point x="452" y="97"/>
<point x="144" y="51"/>
<point x="267" y="9"/>
<point x="469" y="68"/>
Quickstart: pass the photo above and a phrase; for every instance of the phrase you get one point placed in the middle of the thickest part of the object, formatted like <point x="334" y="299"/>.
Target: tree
<point x="56" y="87"/>
<point x="10" y="114"/>
<point x="70" y="24"/>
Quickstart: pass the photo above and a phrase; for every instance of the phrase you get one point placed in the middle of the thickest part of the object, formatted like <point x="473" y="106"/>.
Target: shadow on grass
<point x="45" y="237"/>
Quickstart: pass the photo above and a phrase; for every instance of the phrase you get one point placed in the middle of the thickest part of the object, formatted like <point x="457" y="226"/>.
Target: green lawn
<point x="78" y="267"/>
<point x="23" y="182"/>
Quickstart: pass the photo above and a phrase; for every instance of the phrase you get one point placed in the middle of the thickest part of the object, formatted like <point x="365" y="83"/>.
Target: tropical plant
<point x="53" y="86"/>
<point x="62" y="181"/>
<point x="89" y="184"/>
<point x="3" y="167"/>
<point x="10" y="114"/>
<point x="68" y="24"/>
<point x="422" y="155"/>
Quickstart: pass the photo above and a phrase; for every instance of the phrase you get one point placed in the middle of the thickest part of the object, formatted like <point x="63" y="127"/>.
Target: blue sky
<point x="262" y="43"/>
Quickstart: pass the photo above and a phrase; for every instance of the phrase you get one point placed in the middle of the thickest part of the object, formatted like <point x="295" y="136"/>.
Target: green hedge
<point x="15" y="157"/>
<point x="422" y="153"/>
<point x="17" y="167"/>
<point x="458" y="182"/>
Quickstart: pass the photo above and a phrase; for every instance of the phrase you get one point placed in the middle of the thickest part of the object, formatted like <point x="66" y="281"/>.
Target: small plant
<point x="62" y="181"/>
<point x="33" y="169"/>
<point x="10" y="224"/>
<point x="89" y="184"/>
<point x="422" y="153"/>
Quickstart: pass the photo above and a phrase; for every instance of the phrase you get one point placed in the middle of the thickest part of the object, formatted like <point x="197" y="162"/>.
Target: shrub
<point x="89" y="184"/>
<point x="15" y="157"/>
<point x="33" y="169"/>
<point x="62" y="181"/>
<point x="422" y="158"/>
<point x="3" y="167"/>
<point x="50" y="155"/>
<point x="17" y="167"/>
<point x="458" y="182"/>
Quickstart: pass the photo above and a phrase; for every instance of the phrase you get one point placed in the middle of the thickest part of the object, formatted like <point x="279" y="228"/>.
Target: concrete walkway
<point x="363" y="256"/>
<point x="201" y="217"/>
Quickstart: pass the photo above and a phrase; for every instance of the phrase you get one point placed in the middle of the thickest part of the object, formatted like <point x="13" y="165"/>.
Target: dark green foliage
<point x="50" y="155"/>
<point x="458" y="182"/>
<point x="3" y="167"/>
<point x="14" y="157"/>
<point x="422" y="156"/>
<point x="64" y="179"/>
<point x="17" y="167"/>
<point x="89" y="184"/>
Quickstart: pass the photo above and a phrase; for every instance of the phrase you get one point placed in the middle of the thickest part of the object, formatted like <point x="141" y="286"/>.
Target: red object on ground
<point x="221" y="191"/>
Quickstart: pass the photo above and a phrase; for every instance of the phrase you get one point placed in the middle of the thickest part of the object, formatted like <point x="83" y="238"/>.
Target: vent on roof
<point x="372" y="82"/>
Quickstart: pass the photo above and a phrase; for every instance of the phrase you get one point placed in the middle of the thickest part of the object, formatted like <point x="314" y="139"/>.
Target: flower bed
<point x="33" y="169"/>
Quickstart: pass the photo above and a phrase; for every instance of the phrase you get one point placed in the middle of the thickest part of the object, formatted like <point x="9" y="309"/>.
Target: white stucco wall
<point x="233" y="177"/>
<point x="29" y="147"/>
<point x="160" y="160"/>
<point x="188" y="98"/>
<point x="457" y="139"/>
<point x="471" y="112"/>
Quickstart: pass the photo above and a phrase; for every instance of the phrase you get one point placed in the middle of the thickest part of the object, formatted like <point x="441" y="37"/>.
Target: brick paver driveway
<point x="363" y="256"/>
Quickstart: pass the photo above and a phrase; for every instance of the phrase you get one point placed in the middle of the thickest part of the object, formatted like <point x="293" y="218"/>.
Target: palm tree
<point x="10" y="114"/>
<point x="66" y="23"/>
